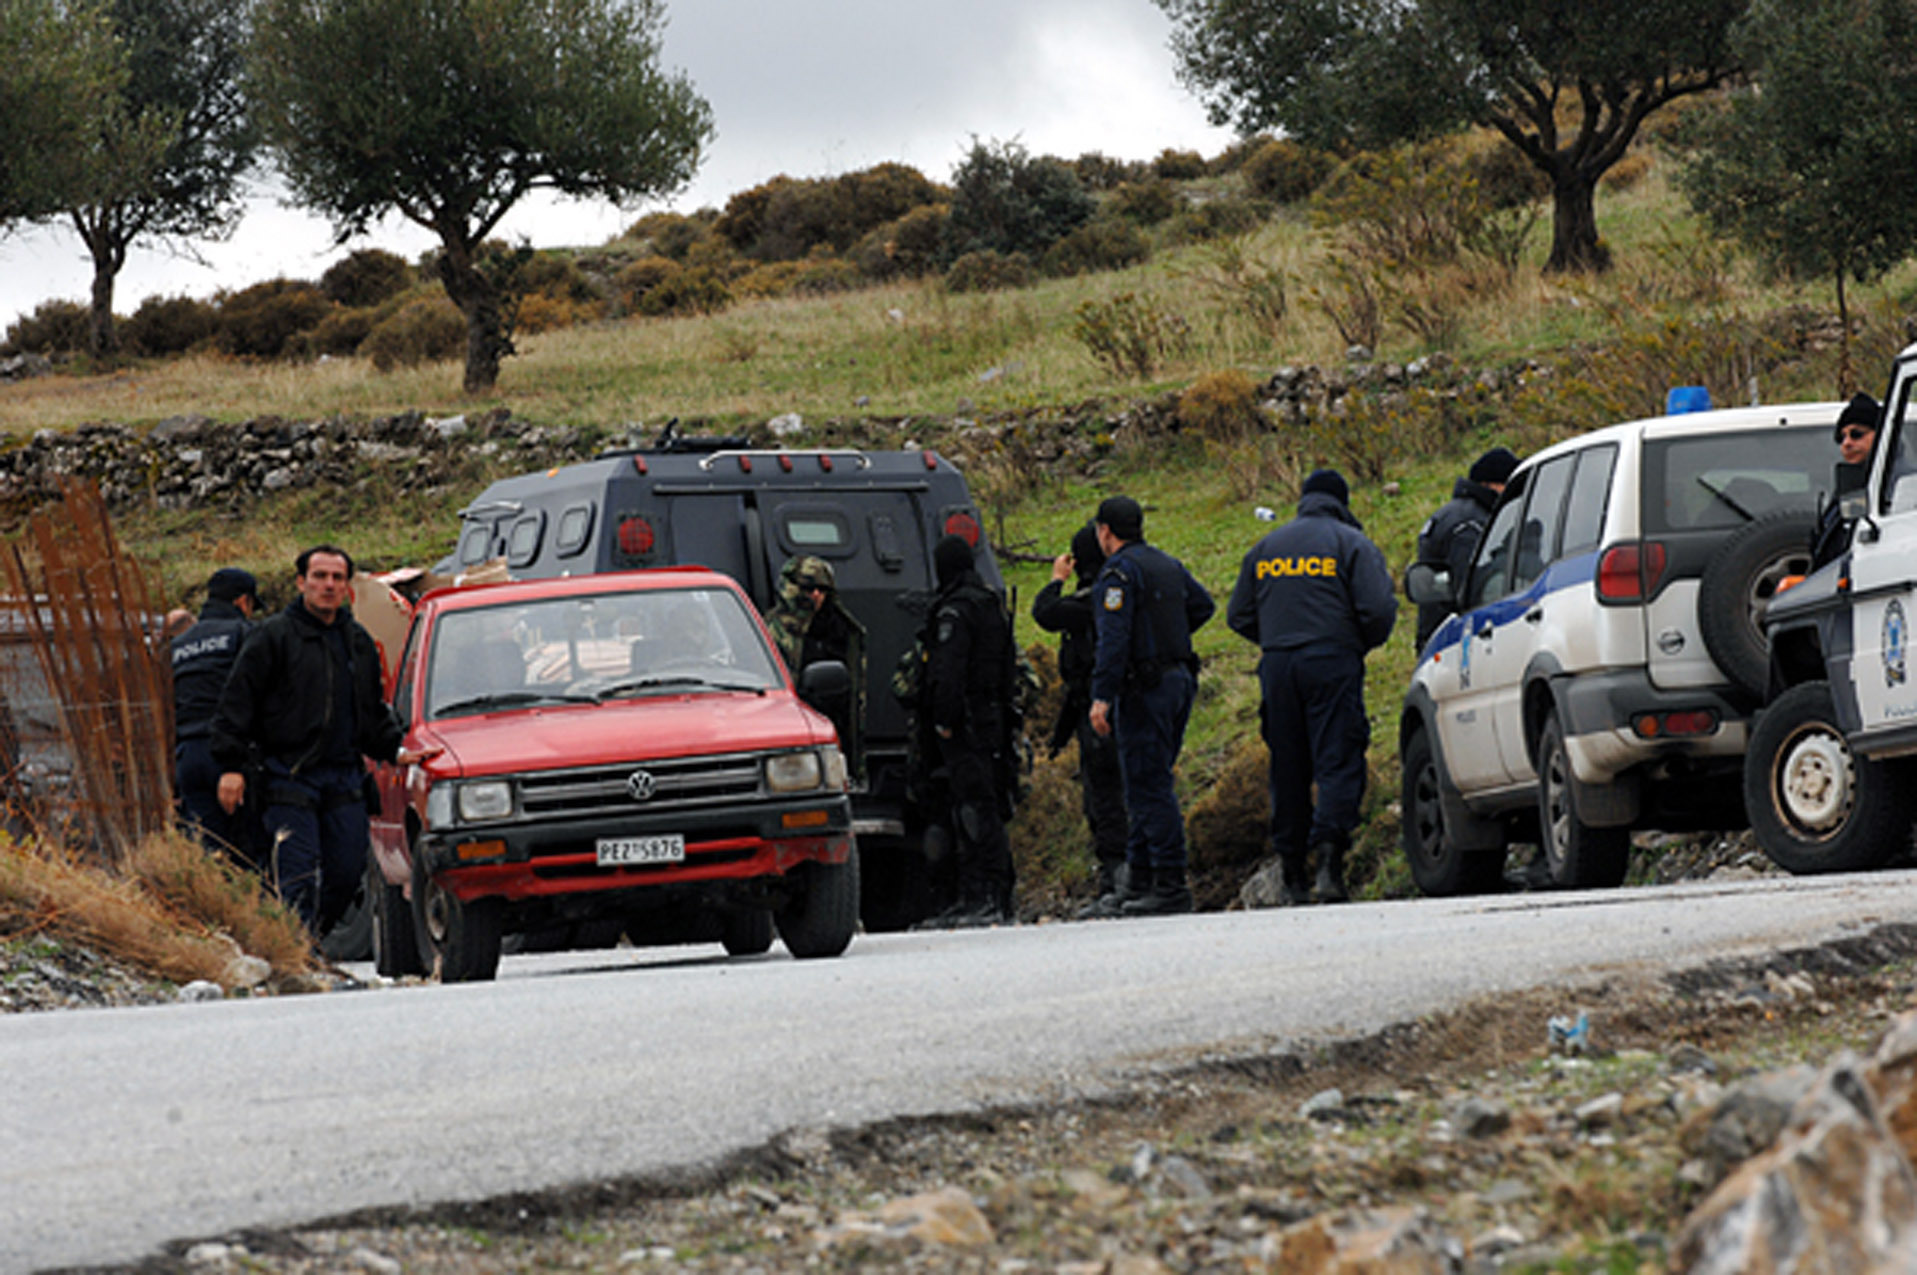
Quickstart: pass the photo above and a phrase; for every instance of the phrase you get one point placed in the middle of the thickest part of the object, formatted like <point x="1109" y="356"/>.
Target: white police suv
<point x="1605" y="656"/>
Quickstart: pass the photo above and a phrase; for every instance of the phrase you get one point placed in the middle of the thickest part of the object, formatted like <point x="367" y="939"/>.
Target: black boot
<point x="1130" y="883"/>
<point x="1331" y="873"/>
<point x="1297" y="870"/>
<point x="1169" y="895"/>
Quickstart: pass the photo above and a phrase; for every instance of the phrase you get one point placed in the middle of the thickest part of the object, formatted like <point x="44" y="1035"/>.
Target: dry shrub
<point x="1130" y="335"/>
<point x="1221" y="407"/>
<point x="1228" y="826"/>
<point x="1627" y="172"/>
<point x="1257" y="289"/>
<point x="543" y="312"/>
<point x="1353" y="299"/>
<point x="1285" y="171"/>
<point x="51" y="889"/>
<point x="209" y="890"/>
<point x="421" y="331"/>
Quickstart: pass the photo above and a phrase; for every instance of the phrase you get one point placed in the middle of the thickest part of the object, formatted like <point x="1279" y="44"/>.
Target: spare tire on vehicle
<point x="1739" y="581"/>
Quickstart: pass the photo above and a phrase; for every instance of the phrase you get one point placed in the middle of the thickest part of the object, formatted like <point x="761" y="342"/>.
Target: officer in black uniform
<point x="1145" y="675"/>
<point x="1450" y="537"/>
<point x="969" y="674"/>
<point x="1856" y="435"/>
<point x="202" y="657"/>
<point x="1101" y="784"/>
<point x="1315" y="595"/>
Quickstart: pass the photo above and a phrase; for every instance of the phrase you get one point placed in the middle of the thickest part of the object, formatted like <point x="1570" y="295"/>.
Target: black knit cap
<point x="1122" y="516"/>
<point x="1861" y="410"/>
<point x="1328" y="482"/>
<point x="230" y="584"/>
<point x="1495" y="466"/>
<point x="1087" y="555"/>
<point x="952" y="556"/>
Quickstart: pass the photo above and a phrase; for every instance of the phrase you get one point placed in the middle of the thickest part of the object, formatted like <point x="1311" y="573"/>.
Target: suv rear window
<point x="1726" y="480"/>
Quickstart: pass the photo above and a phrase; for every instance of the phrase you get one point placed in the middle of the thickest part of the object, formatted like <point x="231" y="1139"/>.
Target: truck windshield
<point x="591" y="646"/>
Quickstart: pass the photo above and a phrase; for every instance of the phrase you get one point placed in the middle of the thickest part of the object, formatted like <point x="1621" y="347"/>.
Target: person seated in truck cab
<point x="1856" y="435"/>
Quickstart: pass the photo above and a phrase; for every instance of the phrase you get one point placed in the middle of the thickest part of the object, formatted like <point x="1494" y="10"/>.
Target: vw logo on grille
<point x="640" y="785"/>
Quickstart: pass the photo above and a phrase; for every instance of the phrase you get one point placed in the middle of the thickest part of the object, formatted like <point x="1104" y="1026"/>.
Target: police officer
<point x="1450" y="536"/>
<point x="202" y="657"/>
<point x="809" y="623"/>
<point x="1315" y="595"/>
<point x="1856" y="435"/>
<point x="970" y="674"/>
<point x="1102" y="786"/>
<point x="1145" y="674"/>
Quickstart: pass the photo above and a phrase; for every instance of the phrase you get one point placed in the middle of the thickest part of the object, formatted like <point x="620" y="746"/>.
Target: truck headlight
<point x="490" y="800"/>
<point x="439" y="806"/>
<point x="792" y="772"/>
<point x="834" y="768"/>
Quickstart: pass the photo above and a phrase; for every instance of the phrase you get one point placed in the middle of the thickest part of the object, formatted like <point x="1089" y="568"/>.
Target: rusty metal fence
<point x="86" y="700"/>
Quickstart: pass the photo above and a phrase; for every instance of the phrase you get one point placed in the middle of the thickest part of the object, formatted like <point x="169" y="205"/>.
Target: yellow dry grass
<point x="175" y="911"/>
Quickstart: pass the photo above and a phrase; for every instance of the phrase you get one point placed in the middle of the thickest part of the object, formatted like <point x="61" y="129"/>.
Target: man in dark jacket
<point x="970" y="674"/>
<point x="305" y="692"/>
<point x="1101" y="784"/>
<point x="1315" y="595"/>
<point x="1450" y="537"/>
<point x="1143" y="681"/>
<point x="809" y="624"/>
<point x="1856" y="435"/>
<point x="202" y="657"/>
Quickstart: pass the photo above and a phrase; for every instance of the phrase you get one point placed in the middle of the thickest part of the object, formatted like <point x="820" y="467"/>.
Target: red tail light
<point x="964" y="526"/>
<point x="1630" y="572"/>
<point x="635" y="537"/>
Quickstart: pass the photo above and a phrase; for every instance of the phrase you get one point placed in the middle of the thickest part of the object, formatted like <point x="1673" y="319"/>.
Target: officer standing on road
<point x="1856" y="434"/>
<point x="306" y="693"/>
<point x="810" y="624"/>
<point x="1145" y="676"/>
<point x="970" y="675"/>
<point x="1315" y="595"/>
<point x="1102" y="785"/>
<point x="1450" y="537"/>
<point x="202" y="657"/>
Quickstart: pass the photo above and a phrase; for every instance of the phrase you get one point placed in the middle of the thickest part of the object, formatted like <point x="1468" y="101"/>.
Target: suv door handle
<point x="1534" y="615"/>
<point x="1484" y="633"/>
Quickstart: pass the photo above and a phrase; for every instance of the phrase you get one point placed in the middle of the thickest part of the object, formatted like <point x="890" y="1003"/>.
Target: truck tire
<point x="1576" y="854"/>
<point x="395" y="937"/>
<point x="1739" y="581"/>
<point x="747" y="933"/>
<point x="1437" y="865"/>
<point x="1814" y="805"/>
<point x="462" y="937"/>
<point x="821" y="919"/>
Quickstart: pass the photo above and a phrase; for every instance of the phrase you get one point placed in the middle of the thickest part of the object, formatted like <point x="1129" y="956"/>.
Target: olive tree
<point x="449" y="112"/>
<point x="59" y="69"/>
<point x="167" y="158"/>
<point x="1567" y="82"/>
<point x="1804" y="167"/>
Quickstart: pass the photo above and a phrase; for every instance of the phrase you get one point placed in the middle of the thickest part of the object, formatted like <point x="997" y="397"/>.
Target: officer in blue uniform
<point x="202" y="657"/>
<point x="1315" y="595"/>
<point x="1147" y="606"/>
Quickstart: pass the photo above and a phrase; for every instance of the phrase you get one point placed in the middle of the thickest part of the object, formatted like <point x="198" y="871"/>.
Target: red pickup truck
<point x="621" y="749"/>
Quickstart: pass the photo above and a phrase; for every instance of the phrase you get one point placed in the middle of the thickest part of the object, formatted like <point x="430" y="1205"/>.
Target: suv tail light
<point x="1630" y="572"/>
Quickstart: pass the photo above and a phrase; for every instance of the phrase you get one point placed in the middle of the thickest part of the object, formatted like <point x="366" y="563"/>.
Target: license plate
<point x="619" y="851"/>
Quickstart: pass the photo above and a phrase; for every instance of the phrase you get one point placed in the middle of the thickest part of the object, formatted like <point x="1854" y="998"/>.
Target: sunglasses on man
<point x="1855" y="433"/>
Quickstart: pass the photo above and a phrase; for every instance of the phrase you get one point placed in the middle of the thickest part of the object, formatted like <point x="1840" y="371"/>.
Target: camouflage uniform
<point x="806" y="635"/>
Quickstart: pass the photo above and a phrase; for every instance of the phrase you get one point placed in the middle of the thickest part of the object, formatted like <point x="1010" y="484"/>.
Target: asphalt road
<point x="123" y="1129"/>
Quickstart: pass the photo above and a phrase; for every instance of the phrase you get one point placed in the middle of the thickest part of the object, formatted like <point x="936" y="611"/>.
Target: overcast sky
<point x="809" y="88"/>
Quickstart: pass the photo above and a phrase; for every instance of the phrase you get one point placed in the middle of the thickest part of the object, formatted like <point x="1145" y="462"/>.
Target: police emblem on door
<point x="1896" y="631"/>
<point x="640" y="785"/>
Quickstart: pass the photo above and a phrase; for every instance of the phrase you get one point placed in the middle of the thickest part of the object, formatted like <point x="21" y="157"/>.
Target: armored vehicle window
<point x="574" y="531"/>
<point x="1584" y="516"/>
<point x="522" y="545"/>
<point x="475" y="543"/>
<point x="815" y="530"/>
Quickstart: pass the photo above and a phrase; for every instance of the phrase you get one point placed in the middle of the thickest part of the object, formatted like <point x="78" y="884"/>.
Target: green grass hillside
<point x="1525" y="359"/>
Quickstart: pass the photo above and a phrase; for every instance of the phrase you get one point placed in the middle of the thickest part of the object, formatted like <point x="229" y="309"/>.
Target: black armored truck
<point x="720" y="503"/>
<point x="1830" y="773"/>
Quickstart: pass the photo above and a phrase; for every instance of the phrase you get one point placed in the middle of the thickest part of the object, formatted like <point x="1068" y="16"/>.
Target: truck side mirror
<point x="1429" y="585"/>
<point x="825" y="685"/>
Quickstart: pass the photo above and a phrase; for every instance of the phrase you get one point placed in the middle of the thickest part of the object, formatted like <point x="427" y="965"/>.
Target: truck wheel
<point x="1739" y="581"/>
<point x="1576" y="854"/>
<point x="1814" y="804"/>
<point x="821" y="919"/>
<point x="395" y="939"/>
<point x="1437" y="865"/>
<point x="462" y="937"/>
<point x="747" y="933"/>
